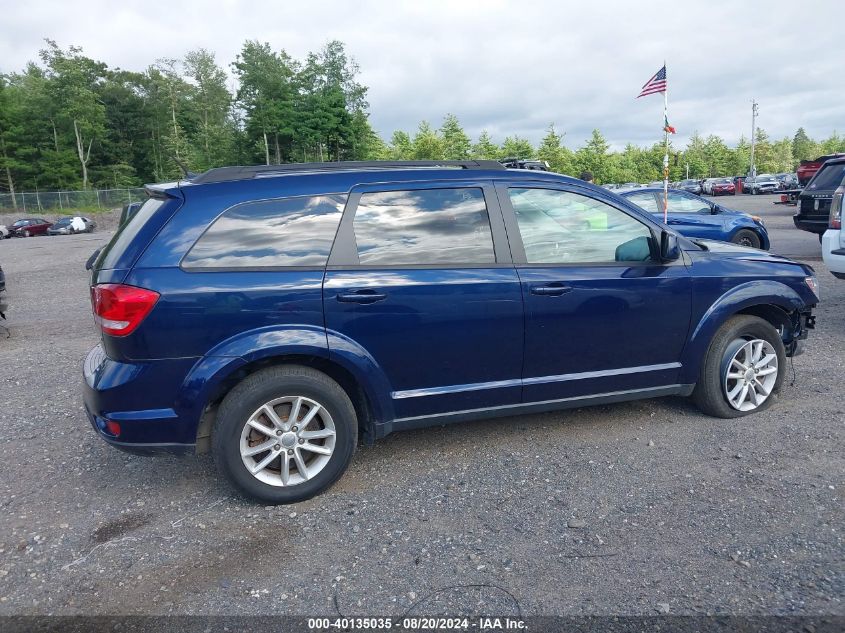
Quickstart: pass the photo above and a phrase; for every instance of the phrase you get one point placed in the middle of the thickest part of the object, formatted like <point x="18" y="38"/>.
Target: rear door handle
<point x="361" y="296"/>
<point x="552" y="290"/>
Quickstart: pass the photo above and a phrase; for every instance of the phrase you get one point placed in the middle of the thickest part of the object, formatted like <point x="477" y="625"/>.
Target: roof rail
<point x="226" y="174"/>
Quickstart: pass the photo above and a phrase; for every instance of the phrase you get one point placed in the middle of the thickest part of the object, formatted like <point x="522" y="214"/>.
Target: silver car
<point x="764" y="183"/>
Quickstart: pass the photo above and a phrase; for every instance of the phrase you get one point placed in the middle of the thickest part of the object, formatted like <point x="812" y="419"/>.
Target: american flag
<point x="655" y="84"/>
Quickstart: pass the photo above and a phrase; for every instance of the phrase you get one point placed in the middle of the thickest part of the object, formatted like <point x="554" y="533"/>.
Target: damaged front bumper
<point x="802" y="321"/>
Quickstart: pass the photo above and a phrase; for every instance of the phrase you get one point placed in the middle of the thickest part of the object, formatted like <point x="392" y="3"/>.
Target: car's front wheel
<point x="742" y="371"/>
<point x="746" y="237"/>
<point x="284" y="434"/>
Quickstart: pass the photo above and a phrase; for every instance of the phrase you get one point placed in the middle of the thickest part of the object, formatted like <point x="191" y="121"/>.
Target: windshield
<point x="21" y="223"/>
<point x="63" y="222"/>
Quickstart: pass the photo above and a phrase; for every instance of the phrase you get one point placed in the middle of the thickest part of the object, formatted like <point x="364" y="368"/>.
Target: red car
<point x="27" y="227"/>
<point x="722" y="187"/>
<point x="808" y="168"/>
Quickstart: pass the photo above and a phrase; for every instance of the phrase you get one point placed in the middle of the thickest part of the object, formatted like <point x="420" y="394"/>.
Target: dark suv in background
<point x="276" y="314"/>
<point x="814" y="201"/>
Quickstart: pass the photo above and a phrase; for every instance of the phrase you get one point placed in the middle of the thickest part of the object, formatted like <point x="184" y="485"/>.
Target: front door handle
<point x="552" y="290"/>
<point x="361" y="296"/>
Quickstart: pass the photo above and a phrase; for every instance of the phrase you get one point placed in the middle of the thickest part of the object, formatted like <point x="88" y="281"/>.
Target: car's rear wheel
<point x="746" y="237"/>
<point x="284" y="434"/>
<point x="742" y="371"/>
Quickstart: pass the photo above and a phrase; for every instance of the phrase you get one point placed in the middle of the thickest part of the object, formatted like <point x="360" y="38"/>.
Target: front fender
<point x="752" y="293"/>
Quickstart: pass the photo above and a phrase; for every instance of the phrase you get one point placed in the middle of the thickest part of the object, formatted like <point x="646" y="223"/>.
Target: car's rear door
<point x="421" y="280"/>
<point x="601" y="316"/>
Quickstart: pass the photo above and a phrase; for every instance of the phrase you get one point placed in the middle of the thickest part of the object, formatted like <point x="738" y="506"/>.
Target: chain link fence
<point x="63" y="201"/>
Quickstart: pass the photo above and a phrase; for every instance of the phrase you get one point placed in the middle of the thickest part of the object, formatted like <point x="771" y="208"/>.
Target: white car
<point x="4" y="232"/>
<point x="833" y="240"/>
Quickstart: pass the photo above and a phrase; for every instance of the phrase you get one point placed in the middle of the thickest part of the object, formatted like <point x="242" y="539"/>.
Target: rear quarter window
<point x="127" y="233"/>
<point x="276" y="233"/>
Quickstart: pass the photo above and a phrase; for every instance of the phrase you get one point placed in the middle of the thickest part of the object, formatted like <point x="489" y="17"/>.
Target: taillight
<point x="835" y="221"/>
<point x="119" y="309"/>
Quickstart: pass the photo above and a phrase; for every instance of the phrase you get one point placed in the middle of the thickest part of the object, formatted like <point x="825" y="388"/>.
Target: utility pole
<point x="687" y="171"/>
<point x="754" y="110"/>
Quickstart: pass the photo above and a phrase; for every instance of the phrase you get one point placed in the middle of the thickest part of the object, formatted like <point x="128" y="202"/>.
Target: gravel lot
<point x="625" y="509"/>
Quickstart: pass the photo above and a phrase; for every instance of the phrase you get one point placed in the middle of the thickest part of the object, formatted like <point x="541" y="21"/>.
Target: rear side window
<point x="269" y="234"/>
<point x="424" y="227"/>
<point x="828" y="178"/>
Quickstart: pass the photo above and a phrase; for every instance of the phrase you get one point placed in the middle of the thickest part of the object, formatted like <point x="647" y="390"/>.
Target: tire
<point x="746" y="237"/>
<point x="232" y="434"/>
<point x="711" y="390"/>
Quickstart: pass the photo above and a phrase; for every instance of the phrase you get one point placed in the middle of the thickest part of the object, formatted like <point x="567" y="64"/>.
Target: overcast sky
<point x="509" y="67"/>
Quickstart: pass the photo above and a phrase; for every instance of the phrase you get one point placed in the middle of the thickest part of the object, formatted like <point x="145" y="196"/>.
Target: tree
<point x="72" y="82"/>
<point x="803" y="148"/>
<point x="427" y="145"/>
<point x="553" y="152"/>
<point x="456" y="144"/>
<point x="401" y="147"/>
<point x="593" y="157"/>
<point x="485" y="148"/>
<point x="517" y="147"/>
<point x="211" y="105"/>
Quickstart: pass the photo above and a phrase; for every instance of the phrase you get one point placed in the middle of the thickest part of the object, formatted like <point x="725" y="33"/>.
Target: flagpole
<point x="666" y="149"/>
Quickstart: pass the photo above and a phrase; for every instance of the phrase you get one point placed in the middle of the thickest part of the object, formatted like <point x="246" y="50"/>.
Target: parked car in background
<point x="722" y="187"/>
<point x="763" y="183"/>
<point x="787" y="181"/>
<point x="128" y="211"/>
<point x="707" y="186"/>
<point x="270" y="313"/>
<point x="694" y="216"/>
<point x="833" y="240"/>
<point x="808" y="168"/>
<point x="814" y="202"/>
<point x="29" y="227"/>
<point x="690" y="185"/>
<point x="70" y="224"/>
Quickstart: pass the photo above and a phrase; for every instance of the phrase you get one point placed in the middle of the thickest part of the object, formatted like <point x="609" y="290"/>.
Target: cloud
<point x="508" y="67"/>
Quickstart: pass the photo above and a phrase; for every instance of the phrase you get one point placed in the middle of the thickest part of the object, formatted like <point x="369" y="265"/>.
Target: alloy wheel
<point x="287" y="441"/>
<point x="750" y="373"/>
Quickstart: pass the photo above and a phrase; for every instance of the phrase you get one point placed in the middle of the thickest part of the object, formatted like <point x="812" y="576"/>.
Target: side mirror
<point x="670" y="250"/>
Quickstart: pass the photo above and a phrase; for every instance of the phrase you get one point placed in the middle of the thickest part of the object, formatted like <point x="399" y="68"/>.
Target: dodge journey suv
<point x="277" y="315"/>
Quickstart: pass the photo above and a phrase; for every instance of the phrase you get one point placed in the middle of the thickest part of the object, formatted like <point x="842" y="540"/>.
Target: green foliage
<point x="485" y="148"/>
<point x="68" y="122"/>
<point x="516" y="147"/>
<point x="456" y="143"/>
<point x="427" y="144"/>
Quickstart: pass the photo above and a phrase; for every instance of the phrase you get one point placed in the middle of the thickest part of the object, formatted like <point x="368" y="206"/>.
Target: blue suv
<point x="275" y="315"/>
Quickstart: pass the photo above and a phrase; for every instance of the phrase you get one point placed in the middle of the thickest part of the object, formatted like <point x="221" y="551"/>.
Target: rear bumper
<point x="813" y="226"/>
<point x="140" y="398"/>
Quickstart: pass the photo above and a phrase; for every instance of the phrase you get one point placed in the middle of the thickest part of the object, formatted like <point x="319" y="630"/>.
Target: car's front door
<point x="601" y="315"/>
<point x="421" y="280"/>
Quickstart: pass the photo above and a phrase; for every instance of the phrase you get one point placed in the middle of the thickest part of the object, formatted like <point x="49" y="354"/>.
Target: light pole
<point x="754" y="109"/>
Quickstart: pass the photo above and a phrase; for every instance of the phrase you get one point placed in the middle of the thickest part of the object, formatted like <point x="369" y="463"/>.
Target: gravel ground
<point x="637" y="508"/>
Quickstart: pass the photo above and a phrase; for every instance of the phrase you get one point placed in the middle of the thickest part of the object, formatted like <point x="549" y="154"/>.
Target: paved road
<point x="630" y="508"/>
<point x="786" y="239"/>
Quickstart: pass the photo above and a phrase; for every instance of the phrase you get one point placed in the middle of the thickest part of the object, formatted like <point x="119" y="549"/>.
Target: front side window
<point x="559" y="227"/>
<point x="645" y="201"/>
<point x="424" y="227"/>
<point x="270" y="233"/>
<point x="684" y="204"/>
